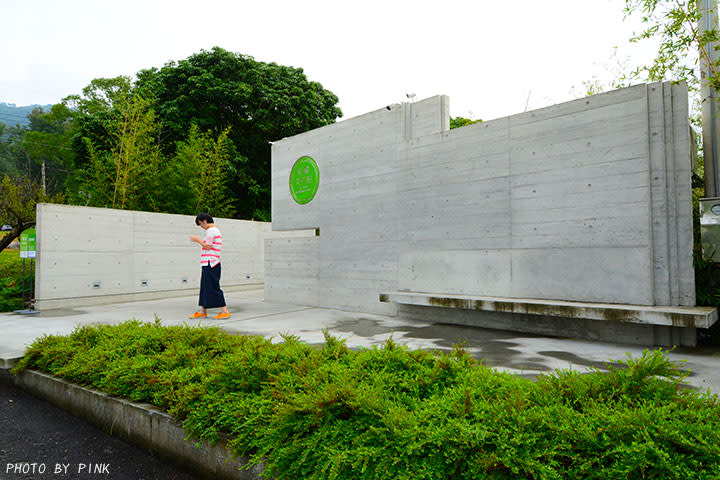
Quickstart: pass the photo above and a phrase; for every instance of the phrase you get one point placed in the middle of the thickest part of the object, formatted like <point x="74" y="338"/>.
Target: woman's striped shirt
<point x="211" y="256"/>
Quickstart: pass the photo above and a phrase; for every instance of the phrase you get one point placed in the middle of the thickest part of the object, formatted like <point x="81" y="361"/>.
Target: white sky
<point x="492" y="58"/>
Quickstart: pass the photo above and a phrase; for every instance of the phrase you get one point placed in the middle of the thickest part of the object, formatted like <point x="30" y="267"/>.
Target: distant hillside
<point x="11" y="114"/>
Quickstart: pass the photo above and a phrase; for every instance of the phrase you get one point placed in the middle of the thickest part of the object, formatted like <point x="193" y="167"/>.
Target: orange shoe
<point x="222" y="315"/>
<point x="198" y="315"/>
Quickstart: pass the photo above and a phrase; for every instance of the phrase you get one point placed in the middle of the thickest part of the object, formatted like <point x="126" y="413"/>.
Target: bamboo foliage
<point x="207" y="164"/>
<point x="125" y="175"/>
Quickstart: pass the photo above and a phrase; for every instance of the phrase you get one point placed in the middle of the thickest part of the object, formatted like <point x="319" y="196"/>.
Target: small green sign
<point x="304" y="180"/>
<point x="27" y="243"/>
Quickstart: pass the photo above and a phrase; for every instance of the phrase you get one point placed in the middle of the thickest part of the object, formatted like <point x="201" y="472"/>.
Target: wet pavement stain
<point x="493" y="348"/>
<point x="59" y="312"/>
<point x="363" y="327"/>
<point x="575" y="359"/>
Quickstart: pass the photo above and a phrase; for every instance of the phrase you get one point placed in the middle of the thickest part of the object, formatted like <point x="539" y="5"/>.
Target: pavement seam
<point x="263" y="316"/>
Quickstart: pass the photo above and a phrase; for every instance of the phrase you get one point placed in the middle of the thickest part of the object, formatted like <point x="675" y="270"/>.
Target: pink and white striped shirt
<point x="211" y="256"/>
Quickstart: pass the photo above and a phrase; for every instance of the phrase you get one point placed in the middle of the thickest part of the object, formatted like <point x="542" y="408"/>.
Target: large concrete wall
<point x="587" y="200"/>
<point x="133" y="255"/>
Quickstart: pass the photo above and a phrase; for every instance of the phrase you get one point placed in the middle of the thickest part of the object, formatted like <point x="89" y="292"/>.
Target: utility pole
<point x="710" y="101"/>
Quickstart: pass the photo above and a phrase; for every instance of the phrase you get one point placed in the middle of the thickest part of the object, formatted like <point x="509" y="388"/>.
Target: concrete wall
<point x="133" y="255"/>
<point x="587" y="200"/>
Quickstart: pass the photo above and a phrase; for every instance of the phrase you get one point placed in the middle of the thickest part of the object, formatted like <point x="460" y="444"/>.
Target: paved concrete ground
<point x="523" y="354"/>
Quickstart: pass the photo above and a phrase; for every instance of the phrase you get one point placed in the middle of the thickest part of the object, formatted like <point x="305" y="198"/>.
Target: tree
<point x="124" y="170"/>
<point x="18" y="198"/>
<point x="457" y="122"/>
<point x="10" y="144"/>
<point x="94" y="112"/>
<point x="124" y="166"/>
<point x="204" y="162"/>
<point x="260" y="102"/>
<point x="674" y="24"/>
<point x="101" y="96"/>
<point x="48" y="142"/>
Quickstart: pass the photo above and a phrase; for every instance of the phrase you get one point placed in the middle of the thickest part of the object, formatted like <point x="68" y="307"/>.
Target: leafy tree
<point x="95" y="112"/>
<point x="47" y="142"/>
<point x="101" y="96"/>
<point x="124" y="171"/>
<point x="674" y="24"/>
<point x="18" y="198"/>
<point x="124" y="166"/>
<point x="260" y="102"/>
<point x="14" y="159"/>
<point x="457" y="122"/>
<point x="5" y="164"/>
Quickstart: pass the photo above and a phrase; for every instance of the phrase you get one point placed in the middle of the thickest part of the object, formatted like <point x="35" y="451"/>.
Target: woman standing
<point x="211" y="296"/>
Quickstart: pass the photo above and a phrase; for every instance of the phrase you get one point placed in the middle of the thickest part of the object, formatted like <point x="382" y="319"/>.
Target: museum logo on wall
<point x="304" y="180"/>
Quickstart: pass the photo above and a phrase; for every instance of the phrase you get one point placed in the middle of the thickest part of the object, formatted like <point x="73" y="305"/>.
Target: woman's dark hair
<point x="203" y="216"/>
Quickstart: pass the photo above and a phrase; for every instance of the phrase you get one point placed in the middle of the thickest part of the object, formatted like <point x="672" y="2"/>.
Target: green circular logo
<point x="304" y="180"/>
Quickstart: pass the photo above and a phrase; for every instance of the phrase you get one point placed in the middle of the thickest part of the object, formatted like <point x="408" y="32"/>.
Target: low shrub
<point x="393" y="413"/>
<point x="11" y="281"/>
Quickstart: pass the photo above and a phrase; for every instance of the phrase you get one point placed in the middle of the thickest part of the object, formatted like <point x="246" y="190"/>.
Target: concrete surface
<point x="523" y="354"/>
<point x="88" y="255"/>
<point x="584" y="201"/>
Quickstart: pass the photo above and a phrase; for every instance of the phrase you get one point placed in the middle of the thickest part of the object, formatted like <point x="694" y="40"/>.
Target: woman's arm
<point x="196" y="239"/>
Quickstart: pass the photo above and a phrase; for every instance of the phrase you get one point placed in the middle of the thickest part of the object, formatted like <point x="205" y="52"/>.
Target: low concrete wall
<point x="94" y="255"/>
<point x="140" y="424"/>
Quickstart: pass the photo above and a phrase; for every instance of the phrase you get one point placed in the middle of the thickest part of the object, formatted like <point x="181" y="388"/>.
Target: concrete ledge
<point x="690" y="317"/>
<point x="54" y="303"/>
<point x="140" y="424"/>
<point x="581" y="328"/>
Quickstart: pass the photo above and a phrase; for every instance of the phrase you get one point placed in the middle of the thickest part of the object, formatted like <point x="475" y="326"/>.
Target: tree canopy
<point x="457" y="122"/>
<point x="18" y="198"/>
<point x="258" y="102"/>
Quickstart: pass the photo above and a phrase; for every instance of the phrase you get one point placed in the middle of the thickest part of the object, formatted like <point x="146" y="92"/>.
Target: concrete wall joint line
<point x="279" y="313"/>
<point x="651" y="250"/>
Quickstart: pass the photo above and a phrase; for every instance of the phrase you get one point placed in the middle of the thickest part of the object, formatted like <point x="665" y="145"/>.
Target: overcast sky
<point x="493" y="58"/>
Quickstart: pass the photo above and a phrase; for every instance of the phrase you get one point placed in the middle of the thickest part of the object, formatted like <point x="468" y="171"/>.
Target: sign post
<point x="28" y="241"/>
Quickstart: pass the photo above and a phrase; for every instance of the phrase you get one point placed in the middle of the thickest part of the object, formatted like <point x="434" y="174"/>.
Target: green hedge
<point x="393" y="413"/>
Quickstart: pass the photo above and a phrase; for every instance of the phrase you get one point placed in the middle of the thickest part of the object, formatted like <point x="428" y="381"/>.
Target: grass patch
<point x="11" y="280"/>
<point x="393" y="413"/>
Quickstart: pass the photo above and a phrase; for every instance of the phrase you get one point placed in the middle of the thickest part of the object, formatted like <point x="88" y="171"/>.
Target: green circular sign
<point x="304" y="180"/>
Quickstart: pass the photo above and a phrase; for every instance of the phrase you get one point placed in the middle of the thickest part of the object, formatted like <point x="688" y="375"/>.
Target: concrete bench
<point x="668" y="325"/>
<point x="698" y="317"/>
